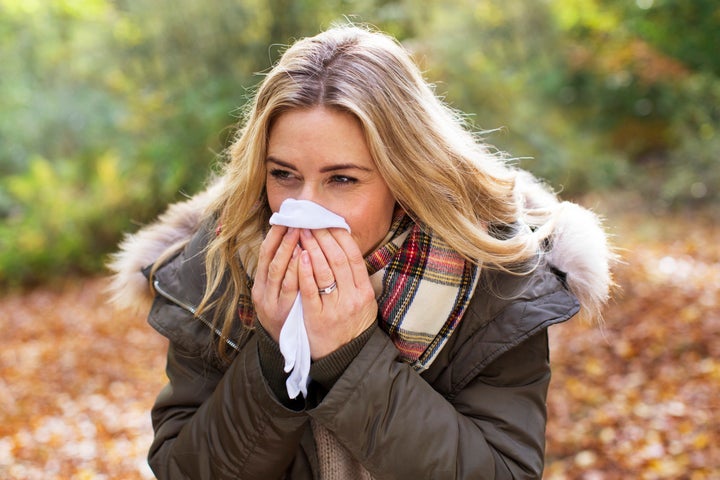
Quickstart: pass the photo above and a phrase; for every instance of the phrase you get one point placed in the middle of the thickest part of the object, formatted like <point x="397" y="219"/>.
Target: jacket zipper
<point x="186" y="306"/>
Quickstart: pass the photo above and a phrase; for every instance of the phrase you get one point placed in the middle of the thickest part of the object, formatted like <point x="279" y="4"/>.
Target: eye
<point x="343" y="179"/>
<point x="280" y="174"/>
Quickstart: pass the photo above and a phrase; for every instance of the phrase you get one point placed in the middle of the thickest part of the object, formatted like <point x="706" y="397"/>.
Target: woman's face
<point x="320" y="154"/>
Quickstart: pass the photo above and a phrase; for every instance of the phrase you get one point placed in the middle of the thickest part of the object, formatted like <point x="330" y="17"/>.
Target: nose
<point x="309" y="192"/>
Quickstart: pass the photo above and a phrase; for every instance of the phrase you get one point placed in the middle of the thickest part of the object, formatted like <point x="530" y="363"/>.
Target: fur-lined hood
<point x="579" y="248"/>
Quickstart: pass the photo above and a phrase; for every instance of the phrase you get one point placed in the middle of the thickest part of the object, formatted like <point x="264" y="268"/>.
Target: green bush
<point x="64" y="217"/>
<point x="693" y="173"/>
<point x="111" y="110"/>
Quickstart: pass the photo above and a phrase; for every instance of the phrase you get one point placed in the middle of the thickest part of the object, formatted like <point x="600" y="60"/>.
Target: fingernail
<point x="296" y="251"/>
<point x="305" y="232"/>
<point x="305" y="257"/>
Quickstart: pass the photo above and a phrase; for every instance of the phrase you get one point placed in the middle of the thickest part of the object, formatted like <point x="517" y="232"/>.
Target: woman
<point x="427" y="322"/>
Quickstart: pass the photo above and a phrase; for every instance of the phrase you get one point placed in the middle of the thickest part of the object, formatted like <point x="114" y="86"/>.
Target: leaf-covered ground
<point x="637" y="398"/>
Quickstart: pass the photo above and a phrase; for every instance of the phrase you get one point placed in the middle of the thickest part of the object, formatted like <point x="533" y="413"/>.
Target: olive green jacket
<point x="478" y="412"/>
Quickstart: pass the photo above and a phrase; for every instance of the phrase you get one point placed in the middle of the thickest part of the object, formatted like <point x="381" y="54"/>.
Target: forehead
<point x="320" y="134"/>
<point x="308" y="117"/>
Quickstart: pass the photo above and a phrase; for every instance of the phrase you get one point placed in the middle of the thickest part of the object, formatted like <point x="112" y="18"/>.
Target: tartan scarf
<point x="422" y="287"/>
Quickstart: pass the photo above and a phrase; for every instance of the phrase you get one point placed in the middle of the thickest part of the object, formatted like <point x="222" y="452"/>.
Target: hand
<point x="276" y="280"/>
<point x="336" y="318"/>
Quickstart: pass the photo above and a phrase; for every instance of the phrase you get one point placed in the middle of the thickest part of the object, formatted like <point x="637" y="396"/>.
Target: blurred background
<point x="109" y="110"/>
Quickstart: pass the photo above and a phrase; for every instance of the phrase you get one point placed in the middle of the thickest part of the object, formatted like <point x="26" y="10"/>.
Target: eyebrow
<point x="329" y="168"/>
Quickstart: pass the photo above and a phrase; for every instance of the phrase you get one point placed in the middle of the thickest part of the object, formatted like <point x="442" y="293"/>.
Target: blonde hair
<point x="439" y="173"/>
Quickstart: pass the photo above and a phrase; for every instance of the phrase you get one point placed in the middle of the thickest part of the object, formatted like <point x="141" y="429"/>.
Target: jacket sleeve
<point x="398" y="426"/>
<point x="214" y="424"/>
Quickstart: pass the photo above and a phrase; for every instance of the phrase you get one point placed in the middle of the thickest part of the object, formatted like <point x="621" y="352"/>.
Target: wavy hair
<point x="438" y="171"/>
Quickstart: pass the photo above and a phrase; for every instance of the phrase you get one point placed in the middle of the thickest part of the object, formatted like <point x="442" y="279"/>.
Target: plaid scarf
<point x="422" y="286"/>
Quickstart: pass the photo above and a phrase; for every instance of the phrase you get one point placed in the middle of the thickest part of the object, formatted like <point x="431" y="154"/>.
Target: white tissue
<point x="295" y="348"/>
<point x="294" y="344"/>
<point x="306" y="214"/>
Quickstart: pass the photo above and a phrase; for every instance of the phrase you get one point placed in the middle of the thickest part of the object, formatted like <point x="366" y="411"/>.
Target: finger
<point x="289" y="287"/>
<point x="336" y="258"/>
<point x="354" y="256"/>
<point x="268" y="247"/>
<point x="279" y="264"/>
<point x="323" y="274"/>
<point x="307" y="284"/>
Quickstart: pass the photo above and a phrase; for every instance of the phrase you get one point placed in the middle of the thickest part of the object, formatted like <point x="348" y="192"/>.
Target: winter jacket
<point x="478" y="412"/>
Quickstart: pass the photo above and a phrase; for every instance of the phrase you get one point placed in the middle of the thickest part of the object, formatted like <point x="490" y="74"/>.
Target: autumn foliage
<point x="634" y="398"/>
<point x="638" y="397"/>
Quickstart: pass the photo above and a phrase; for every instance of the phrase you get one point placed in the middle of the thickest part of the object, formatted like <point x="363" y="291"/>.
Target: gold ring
<point x="329" y="289"/>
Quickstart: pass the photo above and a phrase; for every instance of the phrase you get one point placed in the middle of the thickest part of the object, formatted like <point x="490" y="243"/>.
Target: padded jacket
<point x="478" y="412"/>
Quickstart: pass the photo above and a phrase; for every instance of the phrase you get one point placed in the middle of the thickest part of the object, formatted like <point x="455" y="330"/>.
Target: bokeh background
<point x="109" y="110"/>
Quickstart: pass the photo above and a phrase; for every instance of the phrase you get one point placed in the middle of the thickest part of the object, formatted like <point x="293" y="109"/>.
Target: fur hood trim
<point x="579" y="248"/>
<point x="128" y="288"/>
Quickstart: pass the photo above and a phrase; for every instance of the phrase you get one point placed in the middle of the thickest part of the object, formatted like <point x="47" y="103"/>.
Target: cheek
<point x="274" y="198"/>
<point x="370" y="225"/>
